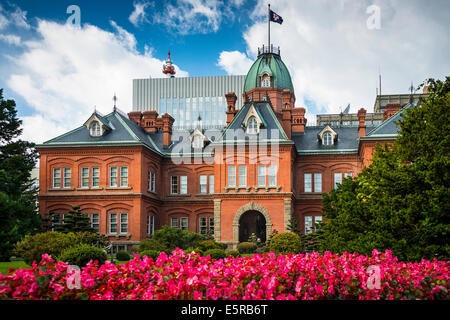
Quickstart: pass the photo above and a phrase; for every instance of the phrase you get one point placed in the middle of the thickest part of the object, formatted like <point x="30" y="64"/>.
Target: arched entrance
<point x="252" y="222"/>
<point x="254" y="215"/>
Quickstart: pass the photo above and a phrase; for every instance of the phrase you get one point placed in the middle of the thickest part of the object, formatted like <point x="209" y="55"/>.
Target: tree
<point x="18" y="212"/>
<point x="74" y="221"/>
<point x="402" y="200"/>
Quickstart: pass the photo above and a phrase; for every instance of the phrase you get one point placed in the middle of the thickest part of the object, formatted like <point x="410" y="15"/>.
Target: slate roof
<point x="270" y="124"/>
<point x="389" y="127"/>
<point x="309" y="143"/>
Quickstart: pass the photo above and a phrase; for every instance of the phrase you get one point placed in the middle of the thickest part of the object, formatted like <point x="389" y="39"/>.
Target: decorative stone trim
<point x="61" y="189"/>
<point x="251" y="206"/>
<point x="118" y="188"/>
<point x="217" y="227"/>
<point x="89" y="189"/>
<point x="287" y="213"/>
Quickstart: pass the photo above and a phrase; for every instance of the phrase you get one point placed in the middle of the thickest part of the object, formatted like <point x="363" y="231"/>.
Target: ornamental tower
<point x="169" y="68"/>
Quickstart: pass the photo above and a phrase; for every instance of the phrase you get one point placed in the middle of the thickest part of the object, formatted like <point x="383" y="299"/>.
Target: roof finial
<point x="115" y="101"/>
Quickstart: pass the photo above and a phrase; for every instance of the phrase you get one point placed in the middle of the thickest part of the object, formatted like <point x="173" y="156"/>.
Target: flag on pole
<point x="275" y="17"/>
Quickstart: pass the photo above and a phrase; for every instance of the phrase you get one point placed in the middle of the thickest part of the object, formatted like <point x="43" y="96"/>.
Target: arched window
<point x="252" y="127"/>
<point x="265" y="81"/>
<point x="327" y="139"/>
<point x="197" y="142"/>
<point x="95" y="129"/>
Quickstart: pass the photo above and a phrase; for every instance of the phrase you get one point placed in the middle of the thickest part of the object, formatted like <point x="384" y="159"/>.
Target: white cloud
<point x="10" y="39"/>
<point x="334" y="58"/>
<point x="192" y="16"/>
<point x="19" y="18"/>
<point x="67" y="71"/>
<point x="234" y="62"/>
<point x="138" y="16"/>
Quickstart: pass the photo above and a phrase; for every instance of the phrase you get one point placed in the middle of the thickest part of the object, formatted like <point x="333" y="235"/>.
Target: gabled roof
<point x="388" y="128"/>
<point x="123" y="132"/>
<point x="271" y="126"/>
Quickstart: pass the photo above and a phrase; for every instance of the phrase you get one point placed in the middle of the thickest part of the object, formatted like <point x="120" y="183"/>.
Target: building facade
<point x="135" y="173"/>
<point x="186" y="99"/>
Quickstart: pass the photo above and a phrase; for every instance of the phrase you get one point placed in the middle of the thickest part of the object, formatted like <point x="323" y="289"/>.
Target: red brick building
<point x="133" y="173"/>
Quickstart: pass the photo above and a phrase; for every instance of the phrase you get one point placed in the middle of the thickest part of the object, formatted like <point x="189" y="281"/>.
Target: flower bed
<point x="190" y="276"/>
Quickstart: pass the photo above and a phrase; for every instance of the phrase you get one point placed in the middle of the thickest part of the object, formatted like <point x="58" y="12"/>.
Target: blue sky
<point x="58" y="73"/>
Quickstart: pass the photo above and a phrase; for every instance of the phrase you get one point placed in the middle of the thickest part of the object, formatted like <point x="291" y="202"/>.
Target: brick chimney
<point x="391" y="109"/>
<point x="231" y="106"/>
<point x="148" y="121"/>
<point x="298" y="120"/>
<point x="135" y="116"/>
<point x="286" y="113"/>
<point x="167" y="129"/>
<point x="362" y="122"/>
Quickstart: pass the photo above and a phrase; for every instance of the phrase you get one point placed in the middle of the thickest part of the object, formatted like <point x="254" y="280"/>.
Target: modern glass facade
<point x="185" y="99"/>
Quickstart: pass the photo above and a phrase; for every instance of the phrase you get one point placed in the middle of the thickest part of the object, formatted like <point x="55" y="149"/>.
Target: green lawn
<point x="4" y="266"/>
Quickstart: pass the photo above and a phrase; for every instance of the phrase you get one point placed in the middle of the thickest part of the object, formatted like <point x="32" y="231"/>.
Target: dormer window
<point x="95" y="129"/>
<point x="265" y="81"/>
<point x="327" y="139"/>
<point x="252" y="127"/>
<point x="197" y="142"/>
<point x="327" y="136"/>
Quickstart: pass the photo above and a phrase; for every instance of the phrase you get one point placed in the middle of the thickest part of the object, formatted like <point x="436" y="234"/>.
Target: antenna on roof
<point x="379" y="76"/>
<point x="411" y="88"/>
<point x="115" y="100"/>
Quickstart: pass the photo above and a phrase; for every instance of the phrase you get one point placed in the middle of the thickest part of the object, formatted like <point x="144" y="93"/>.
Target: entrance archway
<point x="260" y="211"/>
<point x="252" y="222"/>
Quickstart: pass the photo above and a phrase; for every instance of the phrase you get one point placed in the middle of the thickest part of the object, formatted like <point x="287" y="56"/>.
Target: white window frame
<point x="272" y="174"/>
<point x="123" y="223"/>
<point x="232" y="176"/>
<point x="307" y="177"/>
<point x="111" y="177"/>
<point x="337" y="178"/>
<point x="317" y="182"/>
<point x="183" y="185"/>
<point x="203" y="184"/>
<point x="184" y="223"/>
<point x="347" y="174"/>
<point x="67" y="178"/>
<point x="124" y="176"/>
<point x="84" y="177"/>
<point x="173" y="184"/>
<point x="252" y="125"/>
<point x="308" y="224"/>
<point x="211" y="226"/>
<point x="95" y="225"/>
<point x="112" y="222"/>
<point x="172" y="220"/>
<point x="211" y="183"/>
<point x="242" y="181"/>
<point x="327" y="139"/>
<point x="150" y="225"/>
<point x="317" y="219"/>
<point x="95" y="177"/>
<point x="55" y="178"/>
<point x="262" y="176"/>
<point x="203" y="225"/>
<point x="95" y="129"/>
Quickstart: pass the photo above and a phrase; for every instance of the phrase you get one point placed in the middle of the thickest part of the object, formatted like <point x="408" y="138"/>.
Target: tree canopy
<point x="401" y="201"/>
<point x="18" y="212"/>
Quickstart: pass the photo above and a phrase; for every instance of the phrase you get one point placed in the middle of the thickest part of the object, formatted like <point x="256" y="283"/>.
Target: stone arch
<point x="251" y="206"/>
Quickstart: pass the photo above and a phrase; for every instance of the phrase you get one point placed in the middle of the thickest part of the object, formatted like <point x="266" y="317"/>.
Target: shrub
<point x="205" y="245"/>
<point x="196" y="250"/>
<point x="154" y="254"/>
<point x="285" y="243"/>
<point x="233" y="253"/>
<point x="216" y="253"/>
<point x="32" y="247"/>
<point x="171" y="238"/>
<point x="246" y="247"/>
<point x="150" y="244"/>
<point x="81" y="254"/>
<point x="122" y="256"/>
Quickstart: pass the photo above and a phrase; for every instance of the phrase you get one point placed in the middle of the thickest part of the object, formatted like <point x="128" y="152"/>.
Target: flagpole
<point x="268" y="21"/>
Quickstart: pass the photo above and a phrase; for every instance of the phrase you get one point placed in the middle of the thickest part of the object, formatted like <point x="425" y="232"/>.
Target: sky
<point x="59" y="68"/>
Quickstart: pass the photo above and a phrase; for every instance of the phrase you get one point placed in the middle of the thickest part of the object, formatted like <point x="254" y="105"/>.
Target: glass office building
<point x="187" y="98"/>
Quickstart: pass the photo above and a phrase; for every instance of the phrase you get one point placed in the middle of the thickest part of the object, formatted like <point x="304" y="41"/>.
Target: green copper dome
<point x="271" y="64"/>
